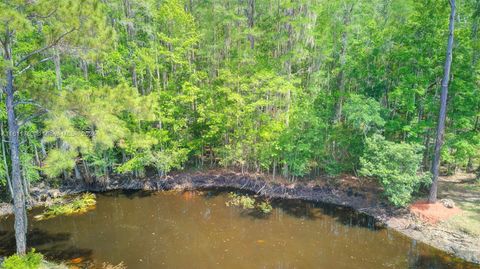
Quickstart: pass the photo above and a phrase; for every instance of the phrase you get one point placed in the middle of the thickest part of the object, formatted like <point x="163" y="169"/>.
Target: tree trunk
<point x="470" y="161"/>
<point x="343" y="59"/>
<point x="474" y="65"/>
<point x="58" y="70"/>
<point x="4" y="154"/>
<point x="84" y="67"/>
<point x="78" y="175"/>
<point x="250" y="19"/>
<point x="443" y="108"/>
<point x="18" y="195"/>
<point x="426" y="152"/>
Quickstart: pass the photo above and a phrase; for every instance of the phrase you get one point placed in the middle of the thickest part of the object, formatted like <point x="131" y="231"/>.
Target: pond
<point x="198" y="230"/>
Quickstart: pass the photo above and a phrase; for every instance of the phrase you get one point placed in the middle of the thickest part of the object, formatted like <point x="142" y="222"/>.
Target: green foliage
<point x="247" y="202"/>
<point x="396" y="166"/>
<point x="78" y="205"/>
<point x="3" y="173"/>
<point x="58" y="161"/>
<point x="364" y="114"/>
<point x="291" y="88"/>
<point x="243" y="201"/>
<point x="31" y="260"/>
<point x="265" y="207"/>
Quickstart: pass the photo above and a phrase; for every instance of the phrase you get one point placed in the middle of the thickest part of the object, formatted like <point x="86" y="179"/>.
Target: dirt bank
<point x="358" y="197"/>
<point x="40" y="195"/>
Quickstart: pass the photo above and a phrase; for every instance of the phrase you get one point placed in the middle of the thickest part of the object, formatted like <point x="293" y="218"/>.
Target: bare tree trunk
<point x="426" y="152"/>
<point x="128" y="12"/>
<point x="134" y="75"/>
<point x="18" y="192"/>
<point x="84" y="67"/>
<point x="343" y="59"/>
<point x="475" y="32"/>
<point x="78" y="175"/>
<point x="250" y="17"/>
<point x="443" y="108"/>
<point x="474" y="64"/>
<point x="4" y="154"/>
<point x="58" y="70"/>
<point x="127" y="9"/>
<point x="469" y="167"/>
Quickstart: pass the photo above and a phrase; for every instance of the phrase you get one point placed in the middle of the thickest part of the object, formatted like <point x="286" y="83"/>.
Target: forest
<point x="293" y="89"/>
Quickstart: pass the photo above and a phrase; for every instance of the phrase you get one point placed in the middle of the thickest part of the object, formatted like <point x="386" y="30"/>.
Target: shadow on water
<point x="170" y="225"/>
<point x="438" y="262"/>
<point x="53" y="245"/>
<point x="316" y="211"/>
<point x="305" y="210"/>
<point x="130" y="194"/>
<point x="308" y="210"/>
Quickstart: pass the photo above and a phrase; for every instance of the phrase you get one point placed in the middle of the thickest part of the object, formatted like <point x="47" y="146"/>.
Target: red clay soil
<point x="433" y="213"/>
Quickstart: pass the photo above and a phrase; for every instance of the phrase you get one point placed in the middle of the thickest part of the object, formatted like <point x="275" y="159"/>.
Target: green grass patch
<point x="467" y="197"/>
<point x="468" y="221"/>
<point x="474" y="187"/>
<point x="77" y="205"/>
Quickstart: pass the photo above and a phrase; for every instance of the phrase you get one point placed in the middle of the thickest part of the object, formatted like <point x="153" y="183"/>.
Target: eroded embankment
<point x="460" y="244"/>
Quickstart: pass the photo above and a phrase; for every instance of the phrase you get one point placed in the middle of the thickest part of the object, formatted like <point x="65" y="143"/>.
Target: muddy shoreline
<point x="459" y="244"/>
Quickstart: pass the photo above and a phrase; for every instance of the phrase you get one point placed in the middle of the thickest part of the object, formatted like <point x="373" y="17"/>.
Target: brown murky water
<point x="193" y="230"/>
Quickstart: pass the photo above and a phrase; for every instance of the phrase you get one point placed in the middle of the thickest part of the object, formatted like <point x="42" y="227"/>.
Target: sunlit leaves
<point x="156" y="85"/>
<point x="396" y="166"/>
<point x="365" y="114"/>
<point x="98" y="119"/>
<point x="59" y="161"/>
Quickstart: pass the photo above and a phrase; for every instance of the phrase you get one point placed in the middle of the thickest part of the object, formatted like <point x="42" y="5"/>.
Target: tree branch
<point x="30" y="66"/>
<point x="31" y="117"/>
<point x="30" y="102"/>
<point x="46" y="16"/>
<point x="54" y="43"/>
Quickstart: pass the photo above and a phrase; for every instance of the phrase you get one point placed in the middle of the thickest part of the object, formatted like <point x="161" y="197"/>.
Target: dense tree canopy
<point x="292" y="88"/>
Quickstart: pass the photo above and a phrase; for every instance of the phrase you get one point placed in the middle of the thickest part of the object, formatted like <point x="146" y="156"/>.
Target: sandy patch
<point x="433" y="213"/>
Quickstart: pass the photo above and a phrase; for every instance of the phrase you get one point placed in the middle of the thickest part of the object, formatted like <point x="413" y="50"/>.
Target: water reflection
<point x="197" y="230"/>
<point x="55" y="246"/>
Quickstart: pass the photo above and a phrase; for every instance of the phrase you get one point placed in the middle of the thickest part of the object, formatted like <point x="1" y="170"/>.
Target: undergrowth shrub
<point x="31" y="260"/>
<point x="396" y="166"/>
<point x="265" y="207"/>
<point x="247" y="202"/>
<point x="240" y="200"/>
